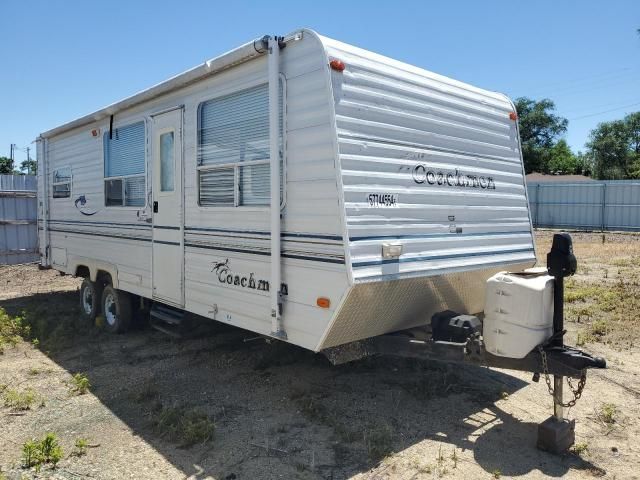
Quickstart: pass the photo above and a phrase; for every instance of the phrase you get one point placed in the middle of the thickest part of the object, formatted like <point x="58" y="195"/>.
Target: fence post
<point x="537" y="205"/>
<point x="604" y="205"/>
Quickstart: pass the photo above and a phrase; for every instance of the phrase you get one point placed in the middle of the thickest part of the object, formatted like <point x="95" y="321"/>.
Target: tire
<point x="90" y="300"/>
<point x="116" y="308"/>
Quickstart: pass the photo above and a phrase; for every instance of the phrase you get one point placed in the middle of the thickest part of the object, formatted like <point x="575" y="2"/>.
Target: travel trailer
<point x="310" y="191"/>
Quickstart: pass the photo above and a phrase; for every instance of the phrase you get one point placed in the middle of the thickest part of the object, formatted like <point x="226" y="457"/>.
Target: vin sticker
<point x="383" y="199"/>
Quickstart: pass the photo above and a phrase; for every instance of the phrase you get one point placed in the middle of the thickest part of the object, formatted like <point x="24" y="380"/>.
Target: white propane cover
<point x="518" y="313"/>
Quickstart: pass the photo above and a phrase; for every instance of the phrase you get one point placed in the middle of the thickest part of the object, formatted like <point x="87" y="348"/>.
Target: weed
<point x="378" y="442"/>
<point x="311" y="408"/>
<point x="29" y="453"/>
<point x="33" y="371"/>
<point x="11" y="330"/>
<point x="80" y="384"/>
<point x="147" y="393"/>
<point x="185" y="427"/>
<point x="80" y="447"/>
<point x="47" y="450"/>
<point x="496" y="473"/>
<point x="608" y="413"/>
<point x="580" y="448"/>
<point x="454" y="458"/>
<point x="19" y="400"/>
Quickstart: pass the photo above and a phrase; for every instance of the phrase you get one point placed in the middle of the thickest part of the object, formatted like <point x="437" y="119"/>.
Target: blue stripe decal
<point x="166" y="227"/>
<point x="434" y="272"/>
<point x="438" y="235"/>
<point x="94" y="234"/>
<point x="441" y="257"/>
<point x="162" y="242"/>
<point x="257" y="232"/>
<point x="256" y="252"/>
<point x="141" y="224"/>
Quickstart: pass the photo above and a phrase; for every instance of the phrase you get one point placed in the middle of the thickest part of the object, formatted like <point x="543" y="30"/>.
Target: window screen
<point x="62" y="183"/>
<point x="124" y="166"/>
<point x="233" y="148"/>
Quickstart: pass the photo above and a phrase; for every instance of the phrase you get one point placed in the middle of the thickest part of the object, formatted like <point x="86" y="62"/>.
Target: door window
<point x="167" y="163"/>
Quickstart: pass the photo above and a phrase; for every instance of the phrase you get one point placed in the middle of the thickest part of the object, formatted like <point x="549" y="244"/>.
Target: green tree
<point x="6" y="166"/>
<point x="29" y="167"/>
<point x="615" y="148"/>
<point x="540" y="128"/>
<point x="562" y="160"/>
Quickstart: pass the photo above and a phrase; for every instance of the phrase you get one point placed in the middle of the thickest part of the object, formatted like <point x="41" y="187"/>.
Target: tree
<point x="562" y="160"/>
<point x="29" y="167"/>
<point x="6" y="166"/>
<point x="615" y="148"/>
<point x="540" y="128"/>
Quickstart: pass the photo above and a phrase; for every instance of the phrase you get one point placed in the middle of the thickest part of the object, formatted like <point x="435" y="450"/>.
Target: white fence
<point x="610" y="205"/>
<point x="18" y="219"/>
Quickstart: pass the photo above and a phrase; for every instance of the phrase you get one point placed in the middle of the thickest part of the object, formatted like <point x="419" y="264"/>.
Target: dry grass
<point x="603" y="298"/>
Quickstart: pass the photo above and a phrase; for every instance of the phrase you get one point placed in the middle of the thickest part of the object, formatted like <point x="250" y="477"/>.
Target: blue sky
<point x="63" y="59"/>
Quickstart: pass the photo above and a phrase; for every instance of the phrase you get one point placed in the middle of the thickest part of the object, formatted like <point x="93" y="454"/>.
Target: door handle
<point x="155" y="207"/>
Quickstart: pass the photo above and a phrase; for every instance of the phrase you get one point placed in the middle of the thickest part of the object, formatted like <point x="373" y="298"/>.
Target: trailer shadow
<point x="281" y="411"/>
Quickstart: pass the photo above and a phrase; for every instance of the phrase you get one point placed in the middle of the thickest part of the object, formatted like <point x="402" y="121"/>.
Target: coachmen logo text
<point x="451" y="179"/>
<point x="225" y="275"/>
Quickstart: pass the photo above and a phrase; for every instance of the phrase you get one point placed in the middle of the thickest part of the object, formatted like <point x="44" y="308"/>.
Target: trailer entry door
<point x="167" y="199"/>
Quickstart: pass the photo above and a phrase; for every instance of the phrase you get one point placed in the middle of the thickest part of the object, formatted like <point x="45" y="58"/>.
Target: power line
<point x="602" y="76"/>
<point x="605" y="111"/>
<point x="587" y="108"/>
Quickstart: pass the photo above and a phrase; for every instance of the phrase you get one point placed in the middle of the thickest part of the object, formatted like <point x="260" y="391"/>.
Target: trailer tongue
<point x="497" y="342"/>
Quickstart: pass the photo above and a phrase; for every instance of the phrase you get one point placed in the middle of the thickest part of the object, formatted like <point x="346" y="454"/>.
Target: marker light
<point x="323" y="302"/>
<point x="513" y="116"/>
<point x="337" y="65"/>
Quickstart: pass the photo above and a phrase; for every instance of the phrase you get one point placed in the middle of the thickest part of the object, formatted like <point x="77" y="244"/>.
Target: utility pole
<point x="11" y="156"/>
<point x="29" y="172"/>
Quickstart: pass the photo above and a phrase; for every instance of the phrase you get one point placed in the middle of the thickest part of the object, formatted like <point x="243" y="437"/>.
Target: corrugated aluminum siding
<point x="611" y="205"/>
<point x="445" y="159"/>
<point x="18" y="210"/>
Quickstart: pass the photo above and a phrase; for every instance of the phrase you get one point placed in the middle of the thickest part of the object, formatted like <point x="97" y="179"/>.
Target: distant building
<point x="536" y="177"/>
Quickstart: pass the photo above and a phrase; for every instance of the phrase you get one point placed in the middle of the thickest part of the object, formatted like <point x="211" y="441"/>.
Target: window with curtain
<point x="124" y="166"/>
<point x="233" y="149"/>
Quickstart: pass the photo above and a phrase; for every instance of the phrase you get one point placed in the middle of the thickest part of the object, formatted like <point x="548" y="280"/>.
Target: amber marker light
<point x="337" y="65"/>
<point x="513" y="116"/>
<point x="323" y="302"/>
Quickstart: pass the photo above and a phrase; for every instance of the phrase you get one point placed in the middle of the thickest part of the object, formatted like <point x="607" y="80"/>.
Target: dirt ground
<point x="281" y="412"/>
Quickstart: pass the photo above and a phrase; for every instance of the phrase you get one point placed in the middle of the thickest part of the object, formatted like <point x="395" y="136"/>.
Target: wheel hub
<point x="87" y="301"/>
<point x="110" y="310"/>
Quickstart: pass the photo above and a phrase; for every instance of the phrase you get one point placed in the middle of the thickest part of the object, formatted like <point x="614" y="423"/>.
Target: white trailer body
<point x="402" y="192"/>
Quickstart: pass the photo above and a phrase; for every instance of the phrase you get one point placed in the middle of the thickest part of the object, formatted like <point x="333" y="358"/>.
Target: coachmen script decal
<point x="421" y="175"/>
<point x="225" y="275"/>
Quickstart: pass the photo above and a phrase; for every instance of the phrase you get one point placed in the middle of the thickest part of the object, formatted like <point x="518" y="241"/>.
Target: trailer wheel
<point x="90" y="300"/>
<point x="116" y="308"/>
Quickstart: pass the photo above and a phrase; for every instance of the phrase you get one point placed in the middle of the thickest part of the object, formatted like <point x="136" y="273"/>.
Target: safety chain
<point x="577" y="392"/>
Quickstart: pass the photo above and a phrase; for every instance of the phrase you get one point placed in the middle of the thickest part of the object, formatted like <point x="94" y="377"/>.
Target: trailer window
<point x="233" y="148"/>
<point x="62" y="182"/>
<point x="124" y="166"/>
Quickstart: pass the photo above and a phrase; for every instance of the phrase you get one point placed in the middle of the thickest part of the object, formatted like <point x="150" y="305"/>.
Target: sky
<point x="60" y="60"/>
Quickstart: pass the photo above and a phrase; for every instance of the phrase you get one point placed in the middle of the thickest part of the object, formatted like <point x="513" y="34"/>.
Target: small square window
<point x="62" y="183"/>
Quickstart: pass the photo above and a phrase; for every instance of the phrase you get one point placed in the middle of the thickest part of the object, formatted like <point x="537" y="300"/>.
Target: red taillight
<point x="337" y="65"/>
<point x="513" y="116"/>
<point x="323" y="302"/>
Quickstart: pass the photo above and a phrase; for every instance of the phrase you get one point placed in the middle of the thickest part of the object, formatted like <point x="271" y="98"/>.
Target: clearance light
<point x="323" y="302"/>
<point x="337" y="65"/>
<point x="513" y="116"/>
<point x="95" y="132"/>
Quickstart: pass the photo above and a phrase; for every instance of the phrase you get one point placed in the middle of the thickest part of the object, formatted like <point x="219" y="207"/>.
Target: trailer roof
<point x="234" y="57"/>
